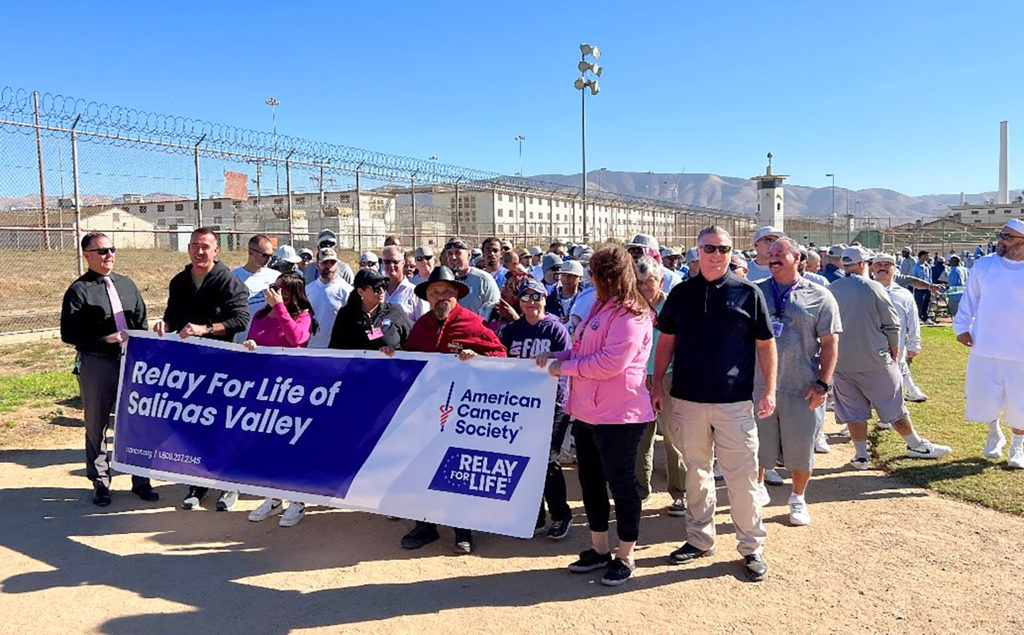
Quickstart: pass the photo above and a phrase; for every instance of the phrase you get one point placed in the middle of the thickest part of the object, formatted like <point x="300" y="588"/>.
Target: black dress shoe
<point x="145" y="492"/>
<point x="688" y="553"/>
<point x="101" y="496"/>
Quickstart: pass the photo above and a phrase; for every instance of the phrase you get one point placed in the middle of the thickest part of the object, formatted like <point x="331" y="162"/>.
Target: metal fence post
<point x="359" y="214"/>
<point x="78" y="203"/>
<point x="288" y="186"/>
<point x="42" y="186"/>
<point x="458" y="223"/>
<point x="199" y="194"/>
<point x="412" y="195"/>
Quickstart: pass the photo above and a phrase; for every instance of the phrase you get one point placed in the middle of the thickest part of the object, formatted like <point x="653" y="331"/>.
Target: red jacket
<point x="462" y="329"/>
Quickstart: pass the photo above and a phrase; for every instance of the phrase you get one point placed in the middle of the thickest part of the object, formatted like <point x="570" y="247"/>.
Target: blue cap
<point x="532" y="284"/>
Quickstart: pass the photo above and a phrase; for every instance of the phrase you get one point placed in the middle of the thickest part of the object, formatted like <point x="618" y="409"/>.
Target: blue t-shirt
<point x="524" y="340"/>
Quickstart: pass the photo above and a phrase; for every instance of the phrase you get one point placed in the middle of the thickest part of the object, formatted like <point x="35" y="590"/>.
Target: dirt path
<point x="879" y="557"/>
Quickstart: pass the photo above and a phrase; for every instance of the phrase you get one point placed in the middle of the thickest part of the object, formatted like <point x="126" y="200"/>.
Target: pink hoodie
<point x="277" y="328"/>
<point x="607" y="366"/>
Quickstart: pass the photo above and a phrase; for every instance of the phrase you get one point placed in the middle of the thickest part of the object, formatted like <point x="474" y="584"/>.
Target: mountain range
<point x="738" y="195"/>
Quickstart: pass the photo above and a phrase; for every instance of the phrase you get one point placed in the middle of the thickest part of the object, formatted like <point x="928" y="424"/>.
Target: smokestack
<point x="1004" y="192"/>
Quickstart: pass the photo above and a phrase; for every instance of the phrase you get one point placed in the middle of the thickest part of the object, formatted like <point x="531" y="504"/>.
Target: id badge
<point x="375" y="334"/>
<point x="777" y="328"/>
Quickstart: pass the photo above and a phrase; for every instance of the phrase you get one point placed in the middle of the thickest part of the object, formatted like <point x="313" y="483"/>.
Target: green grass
<point x="36" y="374"/>
<point x="966" y="473"/>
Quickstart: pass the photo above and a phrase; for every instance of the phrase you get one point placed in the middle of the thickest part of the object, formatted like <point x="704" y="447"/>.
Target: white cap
<point x="644" y="240"/>
<point x="368" y="257"/>
<point x="768" y="230"/>
<point x="536" y="251"/>
<point x="1015" y="224"/>
<point x="884" y="258"/>
<point x="853" y="255"/>
<point x="287" y="254"/>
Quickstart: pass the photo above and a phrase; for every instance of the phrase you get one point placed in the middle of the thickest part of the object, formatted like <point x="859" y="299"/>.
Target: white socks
<point x="913" y="441"/>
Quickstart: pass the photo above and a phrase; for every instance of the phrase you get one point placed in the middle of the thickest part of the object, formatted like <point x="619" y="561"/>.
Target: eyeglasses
<point x="380" y="287"/>
<point x="531" y="297"/>
<point x="635" y="250"/>
<point x="1007" y="236"/>
<point x="265" y="256"/>
<point x="424" y="258"/>
<point x="103" y="251"/>
<point x="722" y="249"/>
<point x="389" y="261"/>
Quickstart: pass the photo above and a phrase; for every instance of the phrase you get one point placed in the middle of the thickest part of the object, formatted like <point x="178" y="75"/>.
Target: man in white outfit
<point x="991" y="322"/>
<point x="883" y="269"/>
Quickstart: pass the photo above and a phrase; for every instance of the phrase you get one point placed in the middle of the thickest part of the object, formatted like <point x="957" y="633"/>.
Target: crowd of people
<point x="732" y="357"/>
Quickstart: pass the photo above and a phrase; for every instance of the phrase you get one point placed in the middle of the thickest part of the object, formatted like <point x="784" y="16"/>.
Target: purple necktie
<point x="115" y="304"/>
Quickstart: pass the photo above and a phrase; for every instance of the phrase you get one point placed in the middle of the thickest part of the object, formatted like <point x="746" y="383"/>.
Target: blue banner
<point x="420" y="436"/>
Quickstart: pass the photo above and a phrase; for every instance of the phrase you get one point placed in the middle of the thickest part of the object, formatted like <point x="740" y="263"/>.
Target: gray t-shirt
<point x="756" y="272"/>
<point x="483" y="292"/>
<point x="811" y="313"/>
<point x="871" y="325"/>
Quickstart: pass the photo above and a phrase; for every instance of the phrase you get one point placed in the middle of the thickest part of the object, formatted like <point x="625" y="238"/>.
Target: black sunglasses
<point x="265" y="256"/>
<point x="379" y="286"/>
<point x="388" y="261"/>
<point x="722" y="249"/>
<point x="999" y="236"/>
<point x="103" y="251"/>
<point x="635" y="250"/>
<point x="531" y="297"/>
<point x="424" y="258"/>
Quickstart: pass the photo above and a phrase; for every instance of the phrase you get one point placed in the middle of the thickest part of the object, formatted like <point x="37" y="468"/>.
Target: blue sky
<point x="903" y="95"/>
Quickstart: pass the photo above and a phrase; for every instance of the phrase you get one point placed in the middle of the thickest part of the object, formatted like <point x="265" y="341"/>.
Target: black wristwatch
<point x="826" y="387"/>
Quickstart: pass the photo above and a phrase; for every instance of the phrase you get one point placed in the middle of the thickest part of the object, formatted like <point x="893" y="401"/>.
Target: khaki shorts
<point x="790" y="429"/>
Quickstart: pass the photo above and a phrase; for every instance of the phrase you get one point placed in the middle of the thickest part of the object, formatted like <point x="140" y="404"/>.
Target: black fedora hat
<point x="441" y="274"/>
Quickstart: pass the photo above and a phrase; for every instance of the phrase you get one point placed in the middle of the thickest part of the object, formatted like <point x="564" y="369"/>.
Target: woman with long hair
<point x="610" y="405"/>
<point x="286" y="321"/>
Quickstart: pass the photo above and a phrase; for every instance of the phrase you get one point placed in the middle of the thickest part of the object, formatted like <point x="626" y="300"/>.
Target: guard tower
<point x="770" y="204"/>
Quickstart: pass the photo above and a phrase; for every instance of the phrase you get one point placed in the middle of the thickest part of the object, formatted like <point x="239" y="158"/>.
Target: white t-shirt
<point x="405" y="297"/>
<point x="584" y="303"/>
<point x="256" y="284"/>
<point x="991" y="308"/>
<point x="326" y="299"/>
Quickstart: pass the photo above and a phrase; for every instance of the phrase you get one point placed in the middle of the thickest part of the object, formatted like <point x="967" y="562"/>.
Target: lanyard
<point x="782" y="297"/>
<point x="562" y="299"/>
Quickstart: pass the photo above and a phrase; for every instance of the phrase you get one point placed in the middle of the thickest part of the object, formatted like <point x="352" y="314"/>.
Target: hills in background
<point x="733" y="194"/>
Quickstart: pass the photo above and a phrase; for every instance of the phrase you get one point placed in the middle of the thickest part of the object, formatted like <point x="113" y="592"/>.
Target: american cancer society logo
<point x="479" y="473"/>
<point x="447" y="408"/>
<point x="482" y="413"/>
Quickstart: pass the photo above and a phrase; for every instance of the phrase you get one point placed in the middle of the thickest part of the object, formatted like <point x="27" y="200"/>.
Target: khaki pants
<point x="728" y="431"/>
<point x="674" y="469"/>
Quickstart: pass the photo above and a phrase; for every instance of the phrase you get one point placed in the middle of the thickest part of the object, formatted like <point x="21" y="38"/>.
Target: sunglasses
<point x="635" y="250"/>
<point x="388" y="261"/>
<point x="327" y="243"/>
<point x="531" y="297"/>
<point x="999" y="236"/>
<point x="722" y="249"/>
<point x="379" y="287"/>
<point x="424" y="258"/>
<point x="265" y="256"/>
<point x="367" y="264"/>
<point x="103" y="251"/>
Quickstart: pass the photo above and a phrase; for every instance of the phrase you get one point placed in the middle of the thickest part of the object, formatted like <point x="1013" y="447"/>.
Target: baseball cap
<point x="476" y="253"/>
<point x="532" y="284"/>
<point x="368" y="278"/>
<point x="326" y="235"/>
<point x="424" y="252"/>
<point x="668" y="252"/>
<point x="287" y="254"/>
<point x="551" y="261"/>
<point x="644" y="240"/>
<point x="1015" y="224"/>
<point x="691" y="254"/>
<point x="853" y="255"/>
<point x="882" y="257"/>
<point x="584" y="255"/>
<point x="836" y="251"/>
<point x="306" y="252"/>
<point x="536" y="251"/>
<point x="368" y="257"/>
<point x="572" y="267"/>
<point x="768" y="230"/>
<point x="326" y="253"/>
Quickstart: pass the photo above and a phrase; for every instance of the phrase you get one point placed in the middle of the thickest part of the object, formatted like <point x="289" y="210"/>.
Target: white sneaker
<point x="860" y="462"/>
<point x="928" y="450"/>
<point x="994" y="444"/>
<point x="917" y="396"/>
<point x="771" y="477"/>
<point x="1016" y="459"/>
<point x="227" y="501"/>
<point x="821" y="444"/>
<point x="293" y="515"/>
<point x="762" y="497"/>
<point x="799" y="516"/>
<point x="881" y="425"/>
<point x="269" y="507"/>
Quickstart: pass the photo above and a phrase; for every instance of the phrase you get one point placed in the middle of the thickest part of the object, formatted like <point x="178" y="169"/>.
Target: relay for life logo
<point x="479" y="473"/>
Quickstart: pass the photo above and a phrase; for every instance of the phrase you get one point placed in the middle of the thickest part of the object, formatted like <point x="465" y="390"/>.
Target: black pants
<point x="97" y="383"/>
<point x="554" y="481"/>
<point x="607" y="454"/>
<point x="460" y="534"/>
<point x="923" y="298"/>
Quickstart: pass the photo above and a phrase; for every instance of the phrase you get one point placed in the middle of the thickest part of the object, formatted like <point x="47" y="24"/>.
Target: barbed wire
<point x="122" y="126"/>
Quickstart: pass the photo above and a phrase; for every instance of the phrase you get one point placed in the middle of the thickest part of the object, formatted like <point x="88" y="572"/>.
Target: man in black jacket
<point x="98" y="307"/>
<point x="205" y="300"/>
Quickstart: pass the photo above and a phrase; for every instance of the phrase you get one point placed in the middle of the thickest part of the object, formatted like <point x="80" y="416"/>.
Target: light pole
<point x="273" y="103"/>
<point x="583" y="83"/>
<point x="520" y="138"/>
